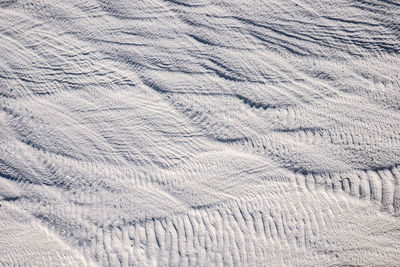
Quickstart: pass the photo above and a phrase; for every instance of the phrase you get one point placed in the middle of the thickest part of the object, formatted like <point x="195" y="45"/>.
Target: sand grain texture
<point x="199" y="133"/>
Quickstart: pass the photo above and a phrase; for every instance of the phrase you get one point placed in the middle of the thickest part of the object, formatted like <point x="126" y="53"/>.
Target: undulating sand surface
<point x="200" y="133"/>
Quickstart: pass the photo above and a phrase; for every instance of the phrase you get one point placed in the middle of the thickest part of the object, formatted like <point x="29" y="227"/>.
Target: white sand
<point x="199" y="133"/>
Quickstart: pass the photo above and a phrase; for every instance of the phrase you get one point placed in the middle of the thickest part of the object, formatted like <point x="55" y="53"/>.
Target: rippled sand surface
<point x="199" y="133"/>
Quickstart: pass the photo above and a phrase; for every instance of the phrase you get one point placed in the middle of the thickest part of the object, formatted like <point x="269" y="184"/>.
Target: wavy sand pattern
<point x="199" y="133"/>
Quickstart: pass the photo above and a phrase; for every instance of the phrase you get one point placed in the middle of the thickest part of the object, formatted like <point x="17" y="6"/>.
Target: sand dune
<point x="199" y="133"/>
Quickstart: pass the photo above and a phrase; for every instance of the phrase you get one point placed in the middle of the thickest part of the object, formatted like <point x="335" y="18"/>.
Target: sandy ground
<point x="199" y="133"/>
